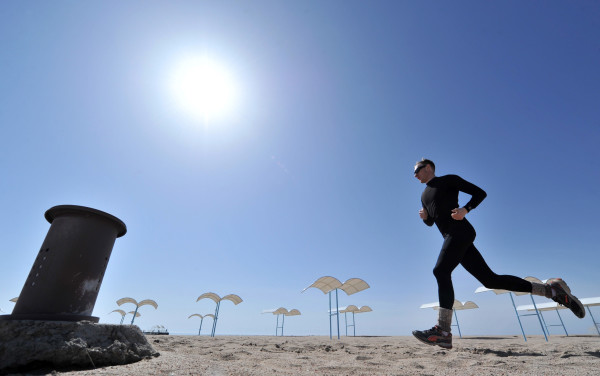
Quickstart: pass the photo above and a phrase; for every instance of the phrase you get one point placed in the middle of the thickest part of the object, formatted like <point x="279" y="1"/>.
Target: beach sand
<point x="316" y="355"/>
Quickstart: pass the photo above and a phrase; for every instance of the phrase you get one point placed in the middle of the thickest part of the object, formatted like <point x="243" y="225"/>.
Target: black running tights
<point x="459" y="249"/>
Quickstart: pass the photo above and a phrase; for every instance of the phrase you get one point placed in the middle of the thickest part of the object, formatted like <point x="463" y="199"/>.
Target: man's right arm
<point x="425" y="217"/>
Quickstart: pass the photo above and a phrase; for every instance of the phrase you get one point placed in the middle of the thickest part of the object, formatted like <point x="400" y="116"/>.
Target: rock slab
<point x="28" y="345"/>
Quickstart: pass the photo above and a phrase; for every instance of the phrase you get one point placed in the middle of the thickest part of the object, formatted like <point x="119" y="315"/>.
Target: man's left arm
<point x="477" y="196"/>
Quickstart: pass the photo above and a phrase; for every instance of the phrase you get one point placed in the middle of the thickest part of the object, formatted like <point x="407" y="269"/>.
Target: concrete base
<point x="27" y="345"/>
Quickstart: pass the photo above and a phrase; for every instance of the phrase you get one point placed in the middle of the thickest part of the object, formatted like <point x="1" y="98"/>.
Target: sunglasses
<point x="419" y="168"/>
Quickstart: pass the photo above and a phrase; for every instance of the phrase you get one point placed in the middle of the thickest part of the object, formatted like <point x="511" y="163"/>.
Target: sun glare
<point x="202" y="88"/>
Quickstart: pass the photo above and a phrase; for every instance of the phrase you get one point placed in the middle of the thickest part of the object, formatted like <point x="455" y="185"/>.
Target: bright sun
<point x="202" y="88"/>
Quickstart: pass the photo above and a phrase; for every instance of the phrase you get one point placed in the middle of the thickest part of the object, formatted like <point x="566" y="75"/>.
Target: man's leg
<point x="555" y="288"/>
<point x="451" y="254"/>
<point x="474" y="263"/>
<point x="452" y="251"/>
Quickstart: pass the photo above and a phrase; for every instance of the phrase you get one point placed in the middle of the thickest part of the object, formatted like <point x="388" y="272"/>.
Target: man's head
<point x="424" y="170"/>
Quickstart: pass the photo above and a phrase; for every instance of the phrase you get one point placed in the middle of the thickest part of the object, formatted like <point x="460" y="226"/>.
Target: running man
<point x="440" y="206"/>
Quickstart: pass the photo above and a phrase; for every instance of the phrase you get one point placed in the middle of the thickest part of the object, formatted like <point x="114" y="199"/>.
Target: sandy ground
<point x="315" y="355"/>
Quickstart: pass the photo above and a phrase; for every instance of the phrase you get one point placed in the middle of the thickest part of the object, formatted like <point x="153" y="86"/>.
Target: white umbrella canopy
<point x="142" y="303"/>
<point x="354" y="285"/>
<point x="350" y="308"/>
<point x="325" y="284"/>
<point x="458" y="305"/>
<point x="202" y="317"/>
<point x="126" y="300"/>
<point x="216" y="298"/>
<point x="591" y="301"/>
<point x="550" y="306"/>
<point x="119" y="311"/>
<point x="278" y="311"/>
<point x="148" y="302"/>
<point x="210" y="295"/>
<point x="234" y="298"/>
<point x="283" y="311"/>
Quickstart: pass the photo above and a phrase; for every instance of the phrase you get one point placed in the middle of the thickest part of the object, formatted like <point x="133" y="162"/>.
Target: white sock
<point x="542" y="289"/>
<point x="445" y="320"/>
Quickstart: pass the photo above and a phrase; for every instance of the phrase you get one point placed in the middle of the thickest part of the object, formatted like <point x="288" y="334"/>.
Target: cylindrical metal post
<point x="561" y="322"/>
<point x="66" y="276"/>
<point x="134" y="314"/>
<point x="330" y="313"/>
<point x="212" y="334"/>
<point x="538" y="315"/>
<point x="346" y="322"/>
<point x="592" y="316"/>
<point x="457" y="324"/>
<point x="337" y="312"/>
<point x="518" y="316"/>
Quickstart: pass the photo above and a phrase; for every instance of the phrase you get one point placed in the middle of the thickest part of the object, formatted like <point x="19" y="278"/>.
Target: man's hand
<point x="459" y="213"/>
<point x="423" y="214"/>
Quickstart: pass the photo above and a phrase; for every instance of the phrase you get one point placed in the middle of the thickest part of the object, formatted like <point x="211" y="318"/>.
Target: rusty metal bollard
<point x="66" y="276"/>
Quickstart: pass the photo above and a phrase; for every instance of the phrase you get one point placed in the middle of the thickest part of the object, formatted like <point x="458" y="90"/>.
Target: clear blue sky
<point x="309" y="172"/>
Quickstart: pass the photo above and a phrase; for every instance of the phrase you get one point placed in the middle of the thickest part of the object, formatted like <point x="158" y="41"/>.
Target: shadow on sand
<point x="501" y="353"/>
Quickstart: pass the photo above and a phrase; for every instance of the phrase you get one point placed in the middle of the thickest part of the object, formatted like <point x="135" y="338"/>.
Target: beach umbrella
<point x="327" y="284"/>
<point x="121" y="312"/>
<point x="284" y="312"/>
<point x="217" y="299"/>
<point x="353" y="309"/>
<point x="201" y="319"/>
<point x="457" y="306"/>
<point x="137" y="305"/>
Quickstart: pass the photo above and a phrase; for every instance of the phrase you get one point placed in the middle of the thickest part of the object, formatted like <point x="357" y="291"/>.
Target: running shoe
<point x="564" y="297"/>
<point x="434" y="336"/>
